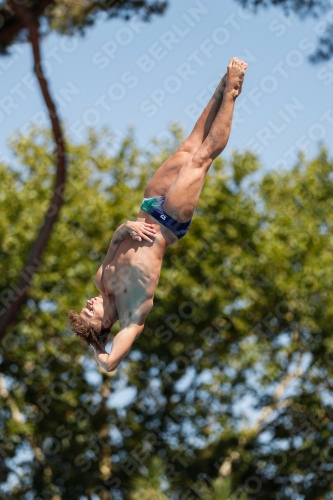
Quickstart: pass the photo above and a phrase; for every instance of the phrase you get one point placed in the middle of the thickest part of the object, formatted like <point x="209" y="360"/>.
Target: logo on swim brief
<point x="163" y="217"/>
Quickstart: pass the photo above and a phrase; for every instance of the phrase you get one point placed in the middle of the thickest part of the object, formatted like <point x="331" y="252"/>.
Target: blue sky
<point x="148" y="75"/>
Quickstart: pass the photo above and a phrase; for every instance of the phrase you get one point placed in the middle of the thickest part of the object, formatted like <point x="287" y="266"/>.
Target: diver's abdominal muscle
<point x="135" y="270"/>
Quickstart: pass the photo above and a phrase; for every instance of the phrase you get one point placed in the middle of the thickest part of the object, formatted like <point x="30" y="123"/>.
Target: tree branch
<point x="277" y="403"/>
<point x="17" y="416"/>
<point x="17" y="299"/>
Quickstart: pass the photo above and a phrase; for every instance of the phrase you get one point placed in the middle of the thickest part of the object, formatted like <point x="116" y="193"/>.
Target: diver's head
<point x="94" y="320"/>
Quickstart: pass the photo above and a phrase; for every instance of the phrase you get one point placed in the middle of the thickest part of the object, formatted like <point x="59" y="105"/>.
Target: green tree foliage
<point x="227" y="393"/>
<point x="147" y="482"/>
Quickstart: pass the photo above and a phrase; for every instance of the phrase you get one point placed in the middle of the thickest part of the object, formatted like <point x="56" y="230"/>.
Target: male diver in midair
<point x="129" y="275"/>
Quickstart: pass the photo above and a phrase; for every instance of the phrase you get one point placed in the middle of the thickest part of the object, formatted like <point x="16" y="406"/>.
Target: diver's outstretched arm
<point x="121" y="345"/>
<point x="131" y="326"/>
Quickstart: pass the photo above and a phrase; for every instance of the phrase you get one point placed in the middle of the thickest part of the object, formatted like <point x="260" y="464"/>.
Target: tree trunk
<point x="18" y="293"/>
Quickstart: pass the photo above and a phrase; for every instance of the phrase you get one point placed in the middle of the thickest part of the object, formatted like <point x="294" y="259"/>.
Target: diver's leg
<point x="183" y="195"/>
<point x="166" y="174"/>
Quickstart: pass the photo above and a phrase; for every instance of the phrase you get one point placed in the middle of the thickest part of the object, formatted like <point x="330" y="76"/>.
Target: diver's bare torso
<point x="132" y="276"/>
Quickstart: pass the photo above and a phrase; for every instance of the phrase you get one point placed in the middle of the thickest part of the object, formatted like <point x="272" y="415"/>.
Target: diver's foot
<point x="235" y="76"/>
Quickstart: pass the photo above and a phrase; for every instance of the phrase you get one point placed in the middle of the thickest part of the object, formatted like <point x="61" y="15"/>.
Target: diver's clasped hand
<point x="141" y="230"/>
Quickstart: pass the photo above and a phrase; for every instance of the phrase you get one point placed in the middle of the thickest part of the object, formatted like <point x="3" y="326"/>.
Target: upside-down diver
<point x="129" y="275"/>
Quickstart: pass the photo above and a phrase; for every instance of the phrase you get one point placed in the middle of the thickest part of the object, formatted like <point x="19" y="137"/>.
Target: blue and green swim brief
<point x="154" y="207"/>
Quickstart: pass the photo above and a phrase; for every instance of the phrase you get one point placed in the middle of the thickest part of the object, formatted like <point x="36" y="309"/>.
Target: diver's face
<point x="94" y="309"/>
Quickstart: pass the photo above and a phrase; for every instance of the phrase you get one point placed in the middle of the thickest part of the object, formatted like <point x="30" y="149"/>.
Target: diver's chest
<point x="119" y="279"/>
